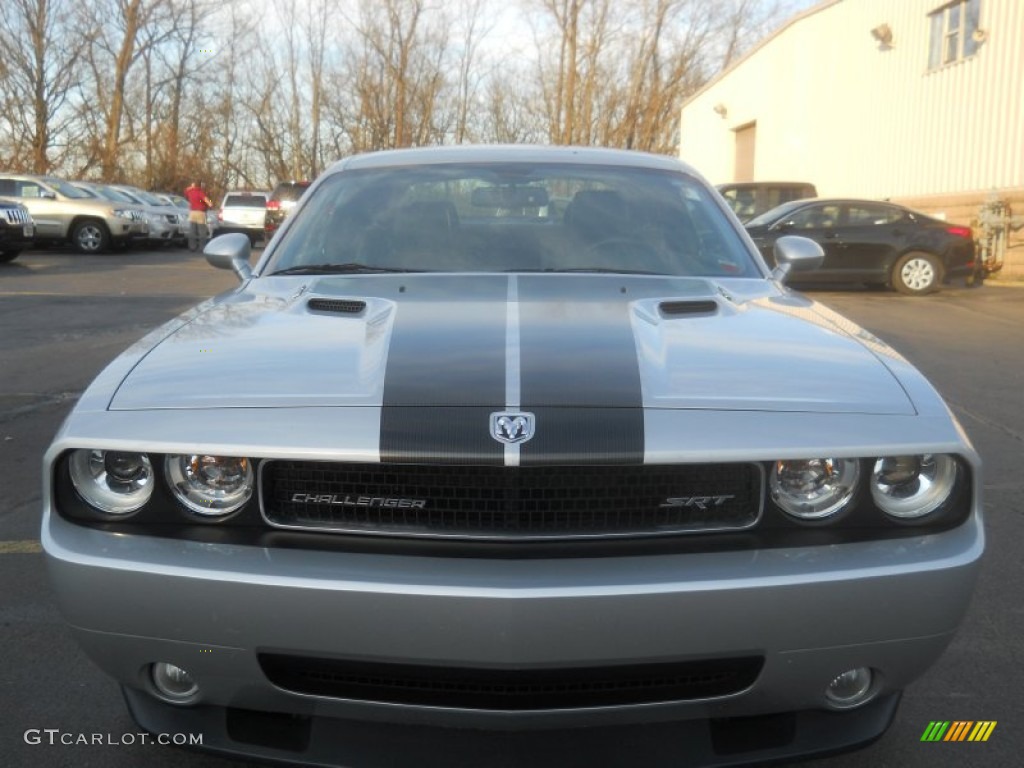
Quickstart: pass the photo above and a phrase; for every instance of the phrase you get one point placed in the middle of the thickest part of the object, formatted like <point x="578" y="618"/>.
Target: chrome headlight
<point x="124" y="213"/>
<point x="908" y="487"/>
<point x="210" y="486"/>
<point x="115" y="482"/>
<point x="813" y="489"/>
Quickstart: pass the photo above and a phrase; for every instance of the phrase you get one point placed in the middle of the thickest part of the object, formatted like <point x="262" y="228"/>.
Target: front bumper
<point x="319" y="740"/>
<point x="162" y="230"/>
<point x="14" y="238"/>
<point x="811" y="613"/>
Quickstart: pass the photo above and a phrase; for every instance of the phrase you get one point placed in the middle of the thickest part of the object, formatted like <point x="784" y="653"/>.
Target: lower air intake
<point x="520" y="690"/>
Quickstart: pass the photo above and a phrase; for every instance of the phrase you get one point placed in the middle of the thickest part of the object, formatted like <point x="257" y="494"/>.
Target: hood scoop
<point x="688" y="307"/>
<point x="336" y="306"/>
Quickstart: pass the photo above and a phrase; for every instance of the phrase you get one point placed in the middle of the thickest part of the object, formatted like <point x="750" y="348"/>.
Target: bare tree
<point x="396" y="70"/>
<point x="510" y="116"/>
<point x="42" y="48"/>
<point x="316" y="32"/>
<point x="473" y="31"/>
<point x="134" y="27"/>
<point x="174" y="56"/>
<point x="619" y="78"/>
<point x="167" y="89"/>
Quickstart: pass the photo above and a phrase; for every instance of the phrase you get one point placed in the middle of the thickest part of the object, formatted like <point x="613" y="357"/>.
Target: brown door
<point x="745" y="140"/>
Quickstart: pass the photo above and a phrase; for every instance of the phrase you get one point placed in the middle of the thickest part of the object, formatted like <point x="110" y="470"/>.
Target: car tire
<point x="917" y="273"/>
<point x="90" y="236"/>
<point x="6" y="256"/>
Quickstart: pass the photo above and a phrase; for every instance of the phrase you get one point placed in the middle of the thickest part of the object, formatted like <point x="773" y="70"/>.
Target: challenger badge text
<point x="358" y="501"/>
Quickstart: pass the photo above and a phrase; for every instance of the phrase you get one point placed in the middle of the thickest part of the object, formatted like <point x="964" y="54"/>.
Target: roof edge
<point x="760" y="44"/>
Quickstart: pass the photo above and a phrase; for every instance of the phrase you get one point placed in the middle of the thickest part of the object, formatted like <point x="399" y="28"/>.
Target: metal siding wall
<point x="833" y="109"/>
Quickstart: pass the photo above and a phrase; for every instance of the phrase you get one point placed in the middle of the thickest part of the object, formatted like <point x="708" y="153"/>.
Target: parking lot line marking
<point x="20" y="547"/>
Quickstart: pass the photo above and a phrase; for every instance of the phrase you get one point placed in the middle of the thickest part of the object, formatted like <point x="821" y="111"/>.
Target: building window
<point x="953" y="32"/>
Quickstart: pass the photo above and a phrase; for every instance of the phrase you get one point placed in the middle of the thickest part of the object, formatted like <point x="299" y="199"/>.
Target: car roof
<point x="755" y="184"/>
<point x="842" y="201"/>
<point x="511" y="153"/>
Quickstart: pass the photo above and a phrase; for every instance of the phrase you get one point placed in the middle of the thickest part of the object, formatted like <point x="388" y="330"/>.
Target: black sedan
<point x="870" y="242"/>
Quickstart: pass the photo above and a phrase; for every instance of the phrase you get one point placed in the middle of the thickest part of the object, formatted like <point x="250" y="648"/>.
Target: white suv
<point x="245" y="212"/>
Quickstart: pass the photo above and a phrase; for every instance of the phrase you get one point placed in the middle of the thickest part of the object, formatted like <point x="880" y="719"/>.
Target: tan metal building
<point x="918" y="101"/>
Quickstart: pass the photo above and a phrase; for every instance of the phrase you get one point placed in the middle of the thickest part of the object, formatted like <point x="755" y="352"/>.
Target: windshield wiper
<point x="350" y="268"/>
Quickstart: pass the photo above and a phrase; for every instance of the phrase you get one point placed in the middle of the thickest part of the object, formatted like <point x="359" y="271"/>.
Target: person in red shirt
<point x="198" y="204"/>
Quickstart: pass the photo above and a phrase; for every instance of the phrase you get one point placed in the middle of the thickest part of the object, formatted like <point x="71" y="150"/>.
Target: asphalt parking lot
<point x="63" y="317"/>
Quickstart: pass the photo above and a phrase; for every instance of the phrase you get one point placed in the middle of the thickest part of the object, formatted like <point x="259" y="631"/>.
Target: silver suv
<point x="65" y="213"/>
<point x="166" y="222"/>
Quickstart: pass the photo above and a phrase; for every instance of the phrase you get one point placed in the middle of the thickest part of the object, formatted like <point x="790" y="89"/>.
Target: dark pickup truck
<point x="752" y="198"/>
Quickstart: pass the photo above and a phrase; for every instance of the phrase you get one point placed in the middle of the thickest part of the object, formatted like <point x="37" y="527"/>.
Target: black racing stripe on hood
<point x="445" y="371"/>
<point x="580" y="373"/>
<point x="439" y="435"/>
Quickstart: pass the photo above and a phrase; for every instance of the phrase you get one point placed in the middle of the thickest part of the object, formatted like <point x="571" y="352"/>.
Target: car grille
<point x="510" y="503"/>
<point x="16" y="216"/>
<point x="512" y="690"/>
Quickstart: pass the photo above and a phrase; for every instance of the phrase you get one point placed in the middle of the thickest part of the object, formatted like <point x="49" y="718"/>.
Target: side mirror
<point x="47" y="195"/>
<point x="782" y="226"/>
<point x="796" y="254"/>
<point x="230" y="252"/>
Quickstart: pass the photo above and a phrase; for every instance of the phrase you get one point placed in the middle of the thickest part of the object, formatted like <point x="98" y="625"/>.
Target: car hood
<point x="528" y="341"/>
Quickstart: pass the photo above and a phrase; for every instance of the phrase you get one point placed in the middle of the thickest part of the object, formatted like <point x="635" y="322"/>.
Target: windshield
<point x="68" y="190"/>
<point x="775" y="213"/>
<point x="176" y="200"/>
<point x="148" y="198"/>
<point x="123" y="194"/>
<point x="245" y="201"/>
<point x="115" y="194"/>
<point x="514" y="217"/>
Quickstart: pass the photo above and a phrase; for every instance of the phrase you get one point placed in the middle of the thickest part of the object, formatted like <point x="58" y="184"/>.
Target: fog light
<point x="850" y="689"/>
<point x="173" y="683"/>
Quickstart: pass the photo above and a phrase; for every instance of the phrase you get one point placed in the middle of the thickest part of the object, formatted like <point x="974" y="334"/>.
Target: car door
<point x="871" y="234"/>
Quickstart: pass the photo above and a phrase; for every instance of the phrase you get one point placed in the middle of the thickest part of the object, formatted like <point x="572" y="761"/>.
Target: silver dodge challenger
<point x="513" y="456"/>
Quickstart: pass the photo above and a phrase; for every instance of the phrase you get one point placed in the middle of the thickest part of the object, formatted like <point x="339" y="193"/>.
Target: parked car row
<point x="62" y="212"/>
<point x="876" y="243"/>
<point x="870" y="242"/>
<point x="93" y="217"/>
<point x="865" y="241"/>
<point x="257" y="214"/>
